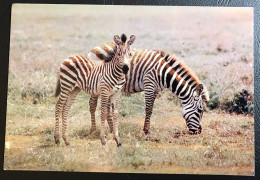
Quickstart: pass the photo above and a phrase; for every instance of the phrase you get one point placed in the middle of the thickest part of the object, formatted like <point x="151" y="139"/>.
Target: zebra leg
<point x="59" y="105"/>
<point x="109" y="116"/>
<point x="92" y="108"/>
<point x="150" y="96"/>
<point x="65" y="112"/>
<point x="104" y="102"/>
<point x="114" y="104"/>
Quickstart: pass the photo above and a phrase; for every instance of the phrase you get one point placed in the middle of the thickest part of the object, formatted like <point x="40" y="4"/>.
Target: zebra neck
<point x="115" y="69"/>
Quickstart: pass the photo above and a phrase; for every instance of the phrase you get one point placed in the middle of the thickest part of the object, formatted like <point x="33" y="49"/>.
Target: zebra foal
<point x="104" y="79"/>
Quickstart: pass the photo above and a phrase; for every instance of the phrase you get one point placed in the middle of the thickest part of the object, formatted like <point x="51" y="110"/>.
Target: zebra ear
<point x="117" y="40"/>
<point x="132" y="40"/>
<point x="199" y="89"/>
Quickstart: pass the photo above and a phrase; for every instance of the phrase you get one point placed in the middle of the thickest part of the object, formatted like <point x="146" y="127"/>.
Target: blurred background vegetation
<point x="217" y="46"/>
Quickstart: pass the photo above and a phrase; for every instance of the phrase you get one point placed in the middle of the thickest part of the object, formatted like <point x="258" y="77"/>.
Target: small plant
<point x="220" y="48"/>
<point x="214" y="101"/>
<point x="242" y="103"/>
<point x="244" y="59"/>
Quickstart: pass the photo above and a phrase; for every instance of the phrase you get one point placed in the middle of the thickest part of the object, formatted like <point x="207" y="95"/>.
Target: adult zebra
<point x="152" y="71"/>
<point x="105" y="79"/>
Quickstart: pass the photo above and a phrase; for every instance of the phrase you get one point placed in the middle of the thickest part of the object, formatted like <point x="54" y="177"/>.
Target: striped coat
<point x="152" y="71"/>
<point x="104" y="79"/>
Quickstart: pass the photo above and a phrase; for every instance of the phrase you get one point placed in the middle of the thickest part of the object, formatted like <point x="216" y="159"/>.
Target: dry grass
<point x="226" y="145"/>
<point x="226" y="142"/>
<point x="218" y="39"/>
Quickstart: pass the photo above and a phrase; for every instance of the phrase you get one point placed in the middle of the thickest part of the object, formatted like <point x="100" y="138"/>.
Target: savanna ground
<point x="216" y="43"/>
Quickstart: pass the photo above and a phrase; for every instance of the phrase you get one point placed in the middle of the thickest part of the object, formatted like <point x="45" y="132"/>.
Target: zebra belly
<point x="131" y="87"/>
<point x="93" y="86"/>
<point x="97" y="91"/>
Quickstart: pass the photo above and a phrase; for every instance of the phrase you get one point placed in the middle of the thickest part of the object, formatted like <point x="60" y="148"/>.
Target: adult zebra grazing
<point x="98" y="79"/>
<point x="152" y="71"/>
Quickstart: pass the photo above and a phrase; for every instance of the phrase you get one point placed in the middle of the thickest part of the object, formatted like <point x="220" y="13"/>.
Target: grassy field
<point x="218" y="39"/>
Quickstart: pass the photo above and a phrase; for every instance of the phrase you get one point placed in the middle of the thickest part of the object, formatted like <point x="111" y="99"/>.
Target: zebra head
<point x="123" y="51"/>
<point x="192" y="110"/>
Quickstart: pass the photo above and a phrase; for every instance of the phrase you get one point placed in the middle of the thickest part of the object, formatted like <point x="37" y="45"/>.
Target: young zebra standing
<point x="152" y="71"/>
<point x="98" y="79"/>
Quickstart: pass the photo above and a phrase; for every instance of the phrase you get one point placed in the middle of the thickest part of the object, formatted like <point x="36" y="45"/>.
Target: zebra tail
<point x="58" y="89"/>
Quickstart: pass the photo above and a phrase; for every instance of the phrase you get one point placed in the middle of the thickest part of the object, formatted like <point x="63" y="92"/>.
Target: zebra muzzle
<point x="195" y="131"/>
<point x="125" y="69"/>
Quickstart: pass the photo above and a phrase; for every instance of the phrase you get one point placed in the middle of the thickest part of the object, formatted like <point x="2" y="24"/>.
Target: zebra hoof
<point x="147" y="135"/>
<point x="119" y="144"/>
<point x="146" y="131"/>
<point x="103" y="143"/>
<point x="57" y="142"/>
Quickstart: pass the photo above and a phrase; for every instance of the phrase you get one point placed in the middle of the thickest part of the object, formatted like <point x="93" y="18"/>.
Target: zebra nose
<point x="193" y="131"/>
<point x="125" y="69"/>
<point x="199" y="129"/>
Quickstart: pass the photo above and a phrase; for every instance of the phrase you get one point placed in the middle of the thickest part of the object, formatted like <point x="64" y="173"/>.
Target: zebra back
<point x="100" y="53"/>
<point x="145" y="59"/>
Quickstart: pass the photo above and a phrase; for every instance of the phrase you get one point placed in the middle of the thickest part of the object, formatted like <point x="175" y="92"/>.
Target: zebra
<point x="104" y="79"/>
<point x="152" y="71"/>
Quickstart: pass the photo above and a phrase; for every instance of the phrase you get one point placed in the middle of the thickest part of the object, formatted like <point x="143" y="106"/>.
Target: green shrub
<point x="241" y="103"/>
<point x="214" y="101"/>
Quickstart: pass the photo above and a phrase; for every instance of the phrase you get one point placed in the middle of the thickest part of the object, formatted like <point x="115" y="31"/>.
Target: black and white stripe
<point x="152" y="71"/>
<point x="104" y="79"/>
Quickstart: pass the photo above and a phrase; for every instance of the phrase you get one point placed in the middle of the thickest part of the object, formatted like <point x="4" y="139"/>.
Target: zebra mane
<point x="111" y="54"/>
<point x="171" y="59"/>
<point x="161" y="52"/>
